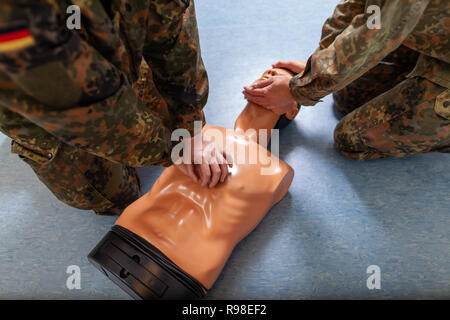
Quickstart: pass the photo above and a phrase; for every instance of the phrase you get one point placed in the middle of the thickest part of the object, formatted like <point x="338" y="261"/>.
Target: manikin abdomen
<point x="198" y="227"/>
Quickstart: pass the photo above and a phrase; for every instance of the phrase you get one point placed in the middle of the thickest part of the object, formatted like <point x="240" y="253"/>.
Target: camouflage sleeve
<point x="172" y="50"/>
<point x="356" y="50"/>
<point x="342" y="16"/>
<point x="71" y="91"/>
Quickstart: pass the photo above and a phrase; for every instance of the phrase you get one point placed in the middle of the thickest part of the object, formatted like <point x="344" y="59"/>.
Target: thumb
<point x="262" y="83"/>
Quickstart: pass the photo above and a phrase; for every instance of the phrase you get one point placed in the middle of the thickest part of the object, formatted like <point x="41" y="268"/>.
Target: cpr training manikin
<point x="174" y="241"/>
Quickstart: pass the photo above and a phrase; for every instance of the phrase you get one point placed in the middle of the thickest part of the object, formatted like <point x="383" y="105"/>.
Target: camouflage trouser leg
<point x="85" y="181"/>
<point x="413" y="117"/>
<point x="383" y="77"/>
<point x="389" y="115"/>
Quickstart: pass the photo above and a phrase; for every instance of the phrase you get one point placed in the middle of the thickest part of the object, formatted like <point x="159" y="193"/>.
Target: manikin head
<point x="281" y="72"/>
<point x="275" y="72"/>
<point x="254" y="117"/>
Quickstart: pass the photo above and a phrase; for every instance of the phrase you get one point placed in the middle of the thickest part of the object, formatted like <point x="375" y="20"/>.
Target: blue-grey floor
<point x="339" y="217"/>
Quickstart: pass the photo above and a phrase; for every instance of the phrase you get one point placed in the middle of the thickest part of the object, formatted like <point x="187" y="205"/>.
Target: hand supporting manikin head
<point x="255" y="118"/>
<point x="191" y="230"/>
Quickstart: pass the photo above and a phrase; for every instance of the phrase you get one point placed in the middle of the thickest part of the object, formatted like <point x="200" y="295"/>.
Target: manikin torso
<point x="198" y="227"/>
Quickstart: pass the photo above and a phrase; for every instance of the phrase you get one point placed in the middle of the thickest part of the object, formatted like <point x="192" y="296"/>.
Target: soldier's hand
<point x="296" y="66"/>
<point x="207" y="164"/>
<point x="272" y="93"/>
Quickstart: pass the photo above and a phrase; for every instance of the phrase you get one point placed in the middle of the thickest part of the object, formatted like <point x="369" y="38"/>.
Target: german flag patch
<point x="15" y="40"/>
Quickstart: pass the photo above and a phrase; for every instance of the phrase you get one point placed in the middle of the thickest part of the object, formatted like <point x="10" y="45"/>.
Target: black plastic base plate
<point x="142" y="270"/>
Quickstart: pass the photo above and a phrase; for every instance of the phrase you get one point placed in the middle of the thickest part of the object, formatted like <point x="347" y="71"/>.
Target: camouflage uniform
<point x="392" y="83"/>
<point x="80" y="109"/>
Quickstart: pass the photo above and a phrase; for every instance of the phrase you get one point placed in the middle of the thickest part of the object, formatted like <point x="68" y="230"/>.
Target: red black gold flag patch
<point x="15" y="40"/>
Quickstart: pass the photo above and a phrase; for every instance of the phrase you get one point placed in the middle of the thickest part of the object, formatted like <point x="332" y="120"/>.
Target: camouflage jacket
<point x="78" y="86"/>
<point x="348" y="47"/>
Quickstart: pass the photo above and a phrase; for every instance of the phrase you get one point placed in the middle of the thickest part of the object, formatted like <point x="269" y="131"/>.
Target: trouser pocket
<point x="37" y="155"/>
<point x="84" y="181"/>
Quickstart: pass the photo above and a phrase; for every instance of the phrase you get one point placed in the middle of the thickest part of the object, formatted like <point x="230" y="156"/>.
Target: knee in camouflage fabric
<point x="84" y="181"/>
<point x="407" y="119"/>
<point x="384" y="76"/>
<point x="388" y="81"/>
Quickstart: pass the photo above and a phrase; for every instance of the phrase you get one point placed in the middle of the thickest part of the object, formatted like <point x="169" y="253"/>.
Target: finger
<point x="191" y="173"/>
<point x="205" y="173"/>
<point x="258" y="100"/>
<point x="296" y="66"/>
<point x="198" y="173"/>
<point x="256" y="92"/>
<point x="223" y="167"/>
<point x="260" y="92"/>
<point x="259" y="84"/>
<point x="210" y="155"/>
<point x="262" y="83"/>
<point x="215" y="174"/>
<point x="228" y="158"/>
